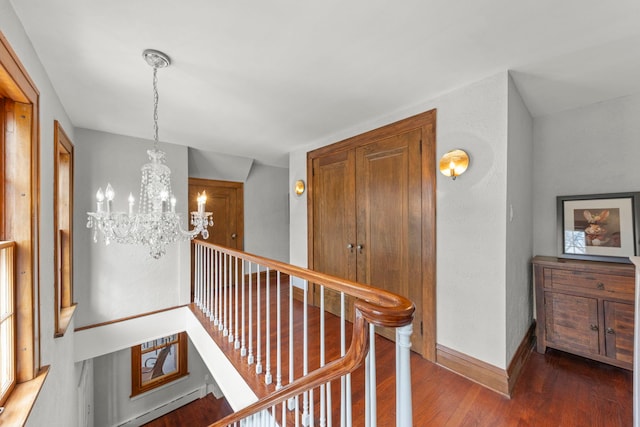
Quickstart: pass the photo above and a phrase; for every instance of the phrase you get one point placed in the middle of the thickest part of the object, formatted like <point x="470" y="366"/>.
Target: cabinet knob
<point x="359" y="247"/>
<point x="610" y="331"/>
<point x="594" y="327"/>
<point x="600" y="285"/>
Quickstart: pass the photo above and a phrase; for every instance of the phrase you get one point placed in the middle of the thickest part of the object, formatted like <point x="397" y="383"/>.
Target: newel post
<point x="404" y="407"/>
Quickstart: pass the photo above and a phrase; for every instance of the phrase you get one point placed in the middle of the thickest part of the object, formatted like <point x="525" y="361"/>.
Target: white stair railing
<point x="319" y="348"/>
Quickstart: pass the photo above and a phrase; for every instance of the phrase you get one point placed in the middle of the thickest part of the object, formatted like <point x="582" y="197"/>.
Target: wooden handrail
<point x="378" y="306"/>
<point x="332" y="371"/>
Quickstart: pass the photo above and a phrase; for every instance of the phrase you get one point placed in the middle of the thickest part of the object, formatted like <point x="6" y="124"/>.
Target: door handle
<point x="350" y="247"/>
<point x="233" y="236"/>
<point x="359" y="248"/>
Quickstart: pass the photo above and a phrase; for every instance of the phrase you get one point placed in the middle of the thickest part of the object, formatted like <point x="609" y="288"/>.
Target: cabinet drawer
<point x="609" y="284"/>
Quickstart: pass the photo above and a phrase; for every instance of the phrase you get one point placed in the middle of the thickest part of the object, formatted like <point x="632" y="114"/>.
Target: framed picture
<point x="601" y="227"/>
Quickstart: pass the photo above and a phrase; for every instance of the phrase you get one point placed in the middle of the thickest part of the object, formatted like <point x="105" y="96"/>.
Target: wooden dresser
<point x="585" y="308"/>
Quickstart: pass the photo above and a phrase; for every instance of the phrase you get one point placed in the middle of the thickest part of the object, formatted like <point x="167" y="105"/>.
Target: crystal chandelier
<point x="156" y="223"/>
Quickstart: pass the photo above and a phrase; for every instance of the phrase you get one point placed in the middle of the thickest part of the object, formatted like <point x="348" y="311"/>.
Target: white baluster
<point x="258" y="330"/>
<point x="404" y="407"/>
<point x="278" y="334"/>
<point x="196" y="277"/>
<point x="221" y="291"/>
<point x="343" y="380"/>
<point x="236" y="343"/>
<point x="216" y="280"/>
<point x="323" y="418"/>
<point x="305" y="358"/>
<point x="250" y="359"/>
<point x="372" y="392"/>
<point x="268" y="379"/>
<point x="291" y="402"/>
<point x="225" y="291"/>
<point x="209" y="280"/>
<point x="243" y="347"/>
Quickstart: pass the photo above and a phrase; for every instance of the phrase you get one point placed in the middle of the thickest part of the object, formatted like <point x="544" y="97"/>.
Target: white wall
<point x="471" y="216"/>
<point x="519" y="304"/>
<point x="112" y="387"/>
<point x="266" y="210"/>
<point x="58" y="394"/>
<point x="116" y="280"/>
<point x="589" y="150"/>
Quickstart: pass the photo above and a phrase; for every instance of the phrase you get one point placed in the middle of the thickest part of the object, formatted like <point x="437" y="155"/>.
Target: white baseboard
<point x="165" y="408"/>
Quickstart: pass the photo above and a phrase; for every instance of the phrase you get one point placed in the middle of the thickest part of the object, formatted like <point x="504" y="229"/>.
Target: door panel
<point x="226" y="201"/>
<point x="619" y="320"/>
<point x="389" y="218"/>
<point x="572" y="321"/>
<point x="334" y="223"/>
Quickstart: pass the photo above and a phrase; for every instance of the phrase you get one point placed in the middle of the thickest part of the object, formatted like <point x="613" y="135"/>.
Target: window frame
<point x="8" y="292"/>
<point x="20" y="222"/>
<point x="137" y="351"/>
<point x="63" y="170"/>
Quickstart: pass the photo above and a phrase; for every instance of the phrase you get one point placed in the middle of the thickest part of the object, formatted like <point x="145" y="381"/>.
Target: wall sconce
<point x="454" y="163"/>
<point x="299" y="188"/>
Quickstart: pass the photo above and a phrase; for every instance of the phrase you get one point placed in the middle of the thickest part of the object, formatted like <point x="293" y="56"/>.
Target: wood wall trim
<point x="521" y="356"/>
<point x="496" y="379"/>
<point x="22" y="399"/>
<point x="400" y="126"/>
<point x="14" y="78"/>
<point x="15" y="82"/>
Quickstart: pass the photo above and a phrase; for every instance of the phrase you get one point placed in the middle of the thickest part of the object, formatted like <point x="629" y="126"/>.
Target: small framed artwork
<point x="601" y="227"/>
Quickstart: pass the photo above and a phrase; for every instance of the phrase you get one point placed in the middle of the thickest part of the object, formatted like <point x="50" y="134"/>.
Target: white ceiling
<point x="260" y="78"/>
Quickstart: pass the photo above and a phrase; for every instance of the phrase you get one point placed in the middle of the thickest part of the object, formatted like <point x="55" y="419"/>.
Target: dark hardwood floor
<point x="555" y="389"/>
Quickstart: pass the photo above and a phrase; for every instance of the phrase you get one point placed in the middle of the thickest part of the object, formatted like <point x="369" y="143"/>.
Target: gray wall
<point x="266" y="212"/>
<point x="589" y="150"/>
<point x="117" y="280"/>
<point x="519" y="305"/>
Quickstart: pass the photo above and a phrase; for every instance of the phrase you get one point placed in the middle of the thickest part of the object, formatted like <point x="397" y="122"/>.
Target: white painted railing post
<point x="404" y="407"/>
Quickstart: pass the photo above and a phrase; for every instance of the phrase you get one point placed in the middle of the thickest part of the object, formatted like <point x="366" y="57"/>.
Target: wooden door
<point x="571" y="322"/>
<point x="384" y="181"/>
<point x="334" y="224"/>
<point x="389" y="237"/>
<point x="225" y="200"/>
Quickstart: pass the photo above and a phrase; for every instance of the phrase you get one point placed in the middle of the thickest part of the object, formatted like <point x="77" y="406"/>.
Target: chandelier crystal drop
<point x="156" y="223"/>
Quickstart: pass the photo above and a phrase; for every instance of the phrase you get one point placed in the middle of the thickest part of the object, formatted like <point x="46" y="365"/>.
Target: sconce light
<point x="299" y="188"/>
<point x="454" y="163"/>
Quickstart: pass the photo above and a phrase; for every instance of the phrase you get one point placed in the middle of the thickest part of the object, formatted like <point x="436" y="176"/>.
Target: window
<point x="63" y="238"/>
<point x="19" y="222"/>
<point x="7" y="320"/>
<point x="158" y="362"/>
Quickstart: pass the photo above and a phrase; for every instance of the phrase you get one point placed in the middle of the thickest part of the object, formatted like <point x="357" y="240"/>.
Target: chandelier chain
<point x="155" y="107"/>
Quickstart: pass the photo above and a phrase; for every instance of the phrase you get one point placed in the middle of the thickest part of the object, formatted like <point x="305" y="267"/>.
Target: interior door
<point x="334" y="223"/>
<point x="388" y="183"/>
<point x="225" y="200"/>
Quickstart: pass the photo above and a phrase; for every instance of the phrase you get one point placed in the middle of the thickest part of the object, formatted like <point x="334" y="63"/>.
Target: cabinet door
<point x="389" y="219"/>
<point x="572" y="322"/>
<point x="618" y="319"/>
<point x="334" y="224"/>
